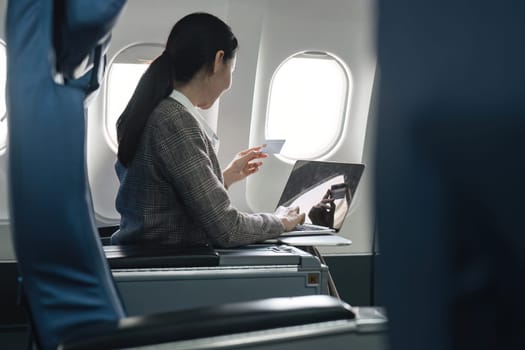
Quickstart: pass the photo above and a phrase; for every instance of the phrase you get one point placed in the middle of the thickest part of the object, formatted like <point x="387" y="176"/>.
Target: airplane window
<point x="3" y="110"/>
<point x="124" y="72"/>
<point x="308" y="101"/>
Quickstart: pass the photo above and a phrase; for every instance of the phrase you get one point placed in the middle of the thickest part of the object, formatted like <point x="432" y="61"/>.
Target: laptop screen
<point x="322" y="190"/>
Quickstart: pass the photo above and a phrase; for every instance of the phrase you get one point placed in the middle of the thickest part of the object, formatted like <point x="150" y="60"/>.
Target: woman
<point x="171" y="187"/>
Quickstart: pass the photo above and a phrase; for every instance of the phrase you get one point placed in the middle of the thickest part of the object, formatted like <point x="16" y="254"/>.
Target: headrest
<point x="81" y="38"/>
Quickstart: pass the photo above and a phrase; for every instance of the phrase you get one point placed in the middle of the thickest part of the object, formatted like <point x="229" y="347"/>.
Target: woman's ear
<point x="219" y="61"/>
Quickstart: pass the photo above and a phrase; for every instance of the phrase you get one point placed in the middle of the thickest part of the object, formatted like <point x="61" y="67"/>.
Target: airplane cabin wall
<point x="339" y="27"/>
<point x="268" y="33"/>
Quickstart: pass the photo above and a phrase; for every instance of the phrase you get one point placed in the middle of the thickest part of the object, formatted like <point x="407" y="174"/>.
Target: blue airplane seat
<point x="81" y="35"/>
<point x="450" y="169"/>
<point x="65" y="276"/>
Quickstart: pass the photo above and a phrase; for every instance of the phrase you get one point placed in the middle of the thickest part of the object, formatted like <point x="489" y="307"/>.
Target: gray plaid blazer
<point x="172" y="191"/>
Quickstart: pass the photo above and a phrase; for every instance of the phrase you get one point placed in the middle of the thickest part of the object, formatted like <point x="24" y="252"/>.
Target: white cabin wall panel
<point x="286" y="30"/>
<point x="245" y="18"/>
<point x="345" y="29"/>
<point x="360" y="223"/>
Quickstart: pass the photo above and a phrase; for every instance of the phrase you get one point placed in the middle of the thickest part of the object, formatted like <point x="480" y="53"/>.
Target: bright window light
<point x="124" y="73"/>
<point x="122" y="81"/>
<point x="308" y="101"/>
<point x="3" y="110"/>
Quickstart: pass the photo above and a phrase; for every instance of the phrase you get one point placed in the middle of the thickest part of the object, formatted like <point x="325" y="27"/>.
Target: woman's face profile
<point x="224" y="72"/>
<point x="220" y="79"/>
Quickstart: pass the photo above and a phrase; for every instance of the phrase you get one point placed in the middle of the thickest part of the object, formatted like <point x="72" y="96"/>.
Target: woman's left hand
<point x="242" y="166"/>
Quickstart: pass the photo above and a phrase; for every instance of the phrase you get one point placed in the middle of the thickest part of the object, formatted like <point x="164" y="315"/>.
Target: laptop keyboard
<point x="309" y="227"/>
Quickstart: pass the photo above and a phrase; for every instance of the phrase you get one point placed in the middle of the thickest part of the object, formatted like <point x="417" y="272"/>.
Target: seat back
<point x="450" y="173"/>
<point x="66" y="277"/>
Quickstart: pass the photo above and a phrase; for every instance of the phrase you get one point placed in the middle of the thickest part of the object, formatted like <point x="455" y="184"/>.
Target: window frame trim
<point x="318" y="54"/>
<point x="113" y="144"/>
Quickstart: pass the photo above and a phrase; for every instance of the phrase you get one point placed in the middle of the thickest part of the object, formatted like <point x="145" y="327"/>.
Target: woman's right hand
<point x="290" y="217"/>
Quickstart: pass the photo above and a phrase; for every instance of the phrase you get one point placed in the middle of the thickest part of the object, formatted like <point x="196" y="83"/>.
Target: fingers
<point x="290" y="217"/>
<point x="255" y="149"/>
<point x="252" y="167"/>
<point x="259" y="155"/>
<point x="292" y="211"/>
<point x="297" y="217"/>
<point x="302" y="217"/>
<point x="288" y="211"/>
<point x="246" y="157"/>
<point x="280" y="210"/>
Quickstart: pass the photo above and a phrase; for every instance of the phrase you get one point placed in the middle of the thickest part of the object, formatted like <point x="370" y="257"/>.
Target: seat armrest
<point x="214" y="321"/>
<point x="140" y="257"/>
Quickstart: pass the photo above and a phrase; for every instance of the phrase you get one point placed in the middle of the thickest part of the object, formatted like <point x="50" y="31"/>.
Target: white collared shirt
<point x="183" y="100"/>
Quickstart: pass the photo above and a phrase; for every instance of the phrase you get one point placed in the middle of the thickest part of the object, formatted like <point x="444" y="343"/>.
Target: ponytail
<point x="192" y="45"/>
<point x="155" y="85"/>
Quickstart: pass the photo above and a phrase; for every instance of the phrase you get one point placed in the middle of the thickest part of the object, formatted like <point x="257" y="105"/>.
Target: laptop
<point x="324" y="192"/>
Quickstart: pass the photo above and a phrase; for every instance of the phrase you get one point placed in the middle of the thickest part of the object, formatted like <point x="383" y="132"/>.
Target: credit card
<point x="273" y="146"/>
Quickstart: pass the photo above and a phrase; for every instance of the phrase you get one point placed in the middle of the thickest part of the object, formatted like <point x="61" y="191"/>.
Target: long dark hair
<point x="191" y="46"/>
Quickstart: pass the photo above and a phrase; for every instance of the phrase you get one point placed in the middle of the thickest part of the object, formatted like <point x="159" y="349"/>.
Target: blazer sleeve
<point x="183" y="151"/>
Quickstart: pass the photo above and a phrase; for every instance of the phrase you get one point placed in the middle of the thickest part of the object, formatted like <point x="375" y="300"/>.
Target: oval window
<point x="124" y="73"/>
<point x="309" y="98"/>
